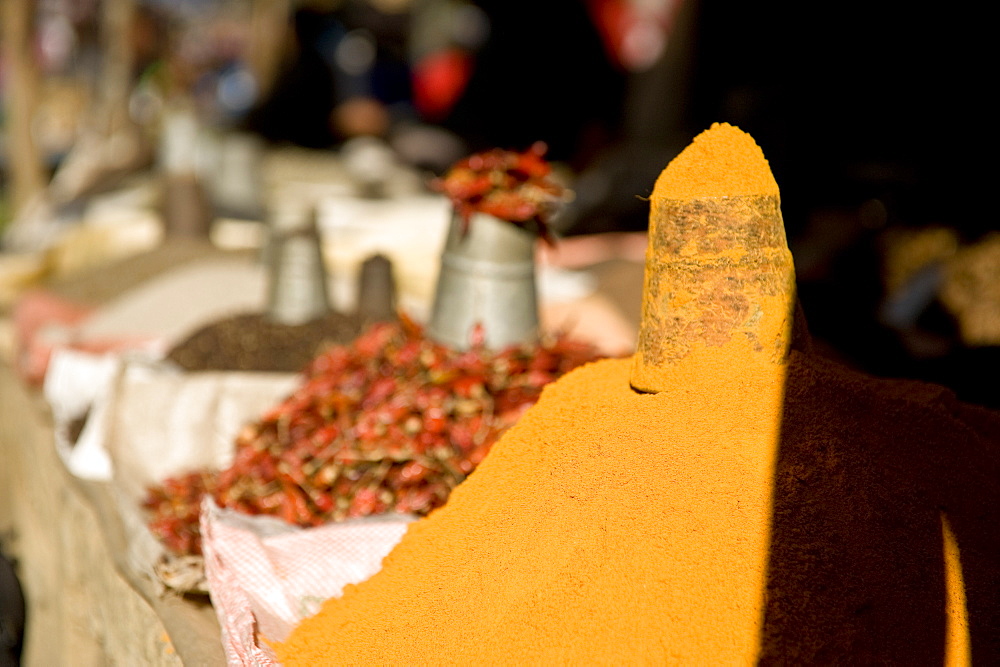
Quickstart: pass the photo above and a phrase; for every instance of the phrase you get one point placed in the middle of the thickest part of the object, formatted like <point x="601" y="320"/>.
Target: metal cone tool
<point x="297" y="291"/>
<point x="376" y="290"/>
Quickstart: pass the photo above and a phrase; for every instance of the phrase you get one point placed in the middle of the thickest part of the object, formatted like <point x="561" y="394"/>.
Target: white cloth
<point x="265" y="575"/>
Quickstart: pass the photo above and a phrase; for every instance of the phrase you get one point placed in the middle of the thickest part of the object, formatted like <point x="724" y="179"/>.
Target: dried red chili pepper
<point x="392" y="422"/>
<point x="513" y="186"/>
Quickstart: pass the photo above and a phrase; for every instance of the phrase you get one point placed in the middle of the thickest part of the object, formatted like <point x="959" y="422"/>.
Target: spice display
<point x="389" y="423"/>
<point x="509" y="185"/>
<point x="760" y="507"/>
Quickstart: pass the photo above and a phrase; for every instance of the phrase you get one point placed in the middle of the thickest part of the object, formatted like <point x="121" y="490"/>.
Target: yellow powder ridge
<point x="722" y="161"/>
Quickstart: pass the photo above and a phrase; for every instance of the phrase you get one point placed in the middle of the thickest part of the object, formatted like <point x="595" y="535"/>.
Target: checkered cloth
<point x="265" y="575"/>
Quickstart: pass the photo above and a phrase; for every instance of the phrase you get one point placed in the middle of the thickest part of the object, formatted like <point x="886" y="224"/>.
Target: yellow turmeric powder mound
<point x="722" y="161"/>
<point x="608" y="526"/>
<point x="611" y="527"/>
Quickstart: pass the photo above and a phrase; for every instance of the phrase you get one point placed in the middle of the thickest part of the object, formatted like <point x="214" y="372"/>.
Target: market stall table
<point x="88" y="604"/>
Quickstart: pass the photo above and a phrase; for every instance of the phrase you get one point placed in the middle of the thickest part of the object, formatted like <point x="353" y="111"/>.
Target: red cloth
<point x="43" y="322"/>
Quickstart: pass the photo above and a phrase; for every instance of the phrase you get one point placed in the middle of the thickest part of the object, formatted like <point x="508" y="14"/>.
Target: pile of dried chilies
<point x="390" y="423"/>
<point x="509" y="185"/>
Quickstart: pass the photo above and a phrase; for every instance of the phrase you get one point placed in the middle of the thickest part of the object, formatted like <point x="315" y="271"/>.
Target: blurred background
<point x="188" y="114"/>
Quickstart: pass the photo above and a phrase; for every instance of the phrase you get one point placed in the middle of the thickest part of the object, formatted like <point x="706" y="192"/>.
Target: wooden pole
<point x="268" y="28"/>
<point x="116" y="66"/>
<point x="24" y="163"/>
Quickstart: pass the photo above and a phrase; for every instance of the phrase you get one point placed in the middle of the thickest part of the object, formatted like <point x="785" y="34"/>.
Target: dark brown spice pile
<point x="252" y="342"/>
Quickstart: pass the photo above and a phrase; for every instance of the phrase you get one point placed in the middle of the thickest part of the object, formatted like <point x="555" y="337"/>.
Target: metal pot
<point x="487" y="277"/>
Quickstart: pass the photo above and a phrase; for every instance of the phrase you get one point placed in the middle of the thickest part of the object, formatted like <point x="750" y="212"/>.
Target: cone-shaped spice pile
<point x="718" y="270"/>
<point x="764" y="504"/>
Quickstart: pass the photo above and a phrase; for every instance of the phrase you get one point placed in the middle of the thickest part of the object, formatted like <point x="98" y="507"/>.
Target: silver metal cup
<point x="487" y="277"/>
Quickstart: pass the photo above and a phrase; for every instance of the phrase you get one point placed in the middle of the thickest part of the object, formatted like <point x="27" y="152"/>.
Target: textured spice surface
<point x="252" y="342"/>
